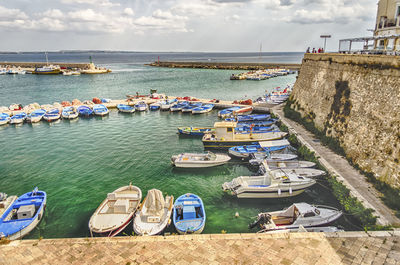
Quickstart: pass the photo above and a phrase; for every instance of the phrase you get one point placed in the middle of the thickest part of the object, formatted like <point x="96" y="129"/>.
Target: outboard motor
<point x="261" y="219"/>
<point x="3" y="196"/>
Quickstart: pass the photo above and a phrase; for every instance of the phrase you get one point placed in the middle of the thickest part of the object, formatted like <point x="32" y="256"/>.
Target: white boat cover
<point x="274" y="143"/>
<point x="155" y="203"/>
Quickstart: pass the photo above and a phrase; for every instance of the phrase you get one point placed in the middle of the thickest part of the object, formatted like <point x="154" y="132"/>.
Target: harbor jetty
<point x="226" y="66"/>
<point x="30" y="67"/>
<point x="297" y="248"/>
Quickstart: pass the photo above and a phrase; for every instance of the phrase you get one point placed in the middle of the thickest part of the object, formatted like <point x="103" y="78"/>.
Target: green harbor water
<point x="78" y="162"/>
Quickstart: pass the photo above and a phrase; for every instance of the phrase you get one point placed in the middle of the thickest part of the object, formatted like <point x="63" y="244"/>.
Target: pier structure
<point x="294" y="248"/>
<point x="226" y="66"/>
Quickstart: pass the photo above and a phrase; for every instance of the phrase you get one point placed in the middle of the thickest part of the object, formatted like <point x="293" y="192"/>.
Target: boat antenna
<point x="47" y="59"/>
<point x="90" y="58"/>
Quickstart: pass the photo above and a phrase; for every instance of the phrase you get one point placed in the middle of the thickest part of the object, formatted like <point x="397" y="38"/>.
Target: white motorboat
<point x="259" y="158"/>
<point x="116" y="211"/>
<point x="69" y="113"/>
<point x="154" y="214"/>
<point x="298" y="214"/>
<point x="270" y="185"/>
<point x="304" y="172"/>
<point x="195" y="160"/>
<point x="289" y="164"/>
<point x="166" y="104"/>
<point x="301" y="229"/>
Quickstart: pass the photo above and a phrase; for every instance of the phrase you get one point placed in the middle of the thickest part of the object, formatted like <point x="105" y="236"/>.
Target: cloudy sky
<point x="181" y="25"/>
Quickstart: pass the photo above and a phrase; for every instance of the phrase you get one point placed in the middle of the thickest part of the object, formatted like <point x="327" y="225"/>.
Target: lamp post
<point x="325" y="37"/>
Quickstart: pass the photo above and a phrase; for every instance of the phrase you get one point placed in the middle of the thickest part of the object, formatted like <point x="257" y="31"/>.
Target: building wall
<point x="356" y="100"/>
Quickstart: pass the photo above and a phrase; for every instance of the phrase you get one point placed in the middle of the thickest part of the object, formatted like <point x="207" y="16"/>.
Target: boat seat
<point x="282" y="220"/>
<point x="121" y="206"/>
<point x="129" y="196"/>
<point x="104" y="209"/>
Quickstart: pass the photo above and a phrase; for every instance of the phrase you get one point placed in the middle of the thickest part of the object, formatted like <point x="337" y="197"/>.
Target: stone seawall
<point x="40" y="64"/>
<point x="356" y="100"/>
<point x="229" y="66"/>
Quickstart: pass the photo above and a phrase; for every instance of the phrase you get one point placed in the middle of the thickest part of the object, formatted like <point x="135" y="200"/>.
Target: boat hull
<point x="228" y="144"/>
<point x="197" y="165"/>
<point x="20" y="234"/>
<point x="269" y="194"/>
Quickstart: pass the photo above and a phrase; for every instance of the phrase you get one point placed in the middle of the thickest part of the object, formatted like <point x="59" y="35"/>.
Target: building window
<point x="229" y="129"/>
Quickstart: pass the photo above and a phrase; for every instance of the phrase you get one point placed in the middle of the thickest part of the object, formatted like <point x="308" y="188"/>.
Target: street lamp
<point x="325" y="37"/>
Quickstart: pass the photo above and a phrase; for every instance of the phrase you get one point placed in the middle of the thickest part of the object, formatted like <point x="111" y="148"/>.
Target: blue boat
<point x="244" y="151"/>
<point x="250" y="118"/>
<point x="179" y="106"/>
<point x="125" y="108"/>
<point x="84" y="111"/>
<point x="141" y="106"/>
<point x="256" y="129"/>
<point x="18" y="118"/>
<point x="155" y="106"/>
<point x="257" y="123"/>
<point x="203" y="109"/>
<point x="35" y="116"/>
<point x="226" y="112"/>
<point x="52" y="115"/>
<point x="189" y="215"/>
<point x="189" y="107"/>
<point x="4" y="118"/>
<point x="23" y="215"/>
<point x="100" y="110"/>
<point x="69" y="113"/>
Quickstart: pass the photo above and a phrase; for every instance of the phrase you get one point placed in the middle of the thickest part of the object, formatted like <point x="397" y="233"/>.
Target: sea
<point x="78" y="162"/>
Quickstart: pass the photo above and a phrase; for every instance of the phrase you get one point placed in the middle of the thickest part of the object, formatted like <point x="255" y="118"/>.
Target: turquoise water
<point x="78" y="162"/>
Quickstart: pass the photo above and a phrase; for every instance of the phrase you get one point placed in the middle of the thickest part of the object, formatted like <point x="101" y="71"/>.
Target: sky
<point x="182" y="25"/>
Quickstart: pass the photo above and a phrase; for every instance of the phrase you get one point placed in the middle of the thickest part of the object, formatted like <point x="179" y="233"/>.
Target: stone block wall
<point x="355" y="99"/>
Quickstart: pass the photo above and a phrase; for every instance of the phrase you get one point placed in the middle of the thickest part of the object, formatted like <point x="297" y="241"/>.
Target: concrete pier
<point x="294" y="248"/>
<point x="228" y="66"/>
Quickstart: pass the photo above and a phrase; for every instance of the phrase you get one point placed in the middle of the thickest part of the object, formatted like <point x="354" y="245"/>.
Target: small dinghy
<point x="225" y="113"/>
<point x="195" y="131"/>
<point x="298" y="214"/>
<point x="266" y="123"/>
<point x="154" y="214"/>
<point x="36" y="116"/>
<point x="52" y="115"/>
<point x="203" y="109"/>
<point x="5" y="202"/>
<point x="116" y="211"/>
<point x="166" y="104"/>
<point x="4" y="118"/>
<point x="250" y="118"/>
<point x="304" y="172"/>
<point x="193" y="160"/>
<point x="155" y="106"/>
<point x="23" y="215"/>
<point x="18" y="118"/>
<point x="69" y="113"/>
<point x="125" y="108"/>
<point x="245" y="151"/>
<point x="189" y="216"/>
<point x="270" y="185"/>
<point x="84" y="111"/>
<point x="188" y="108"/>
<point x="243" y="111"/>
<point x="141" y="106"/>
<point x="290" y="164"/>
<point x="100" y="110"/>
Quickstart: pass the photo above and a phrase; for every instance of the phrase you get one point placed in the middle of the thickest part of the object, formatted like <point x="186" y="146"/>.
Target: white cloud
<point x="7" y="14"/>
<point x="128" y="11"/>
<point x="164" y="21"/>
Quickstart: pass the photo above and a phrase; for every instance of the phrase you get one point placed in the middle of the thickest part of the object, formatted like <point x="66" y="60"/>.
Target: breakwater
<point x="33" y="65"/>
<point x="355" y="100"/>
<point x="226" y="66"/>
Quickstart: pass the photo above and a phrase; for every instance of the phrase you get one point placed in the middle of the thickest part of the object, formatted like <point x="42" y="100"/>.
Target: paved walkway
<point x="295" y="248"/>
<point x="338" y="166"/>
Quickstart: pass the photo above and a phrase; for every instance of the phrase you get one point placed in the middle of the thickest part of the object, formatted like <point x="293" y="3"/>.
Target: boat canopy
<point x="274" y="143"/>
<point x="304" y="208"/>
<point x="225" y="124"/>
<point x="155" y="202"/>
